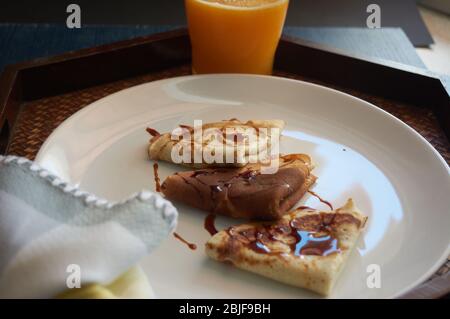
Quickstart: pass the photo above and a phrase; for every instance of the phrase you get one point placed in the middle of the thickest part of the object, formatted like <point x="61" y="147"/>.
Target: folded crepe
<point x="243" y="192"/>
<point x="231" y="143"/>
<point x="305" y="248"/>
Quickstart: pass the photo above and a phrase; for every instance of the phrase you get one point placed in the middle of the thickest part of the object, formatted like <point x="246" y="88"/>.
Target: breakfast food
<point x="305" y="248"/>
<point x="243" y="192"/>
<point x="229" y="143"/>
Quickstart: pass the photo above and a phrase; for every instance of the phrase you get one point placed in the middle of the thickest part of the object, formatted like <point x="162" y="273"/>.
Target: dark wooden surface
<point x="94" y="66"/>
<point x="37" y="96"/>
<point x="399" y="82"/>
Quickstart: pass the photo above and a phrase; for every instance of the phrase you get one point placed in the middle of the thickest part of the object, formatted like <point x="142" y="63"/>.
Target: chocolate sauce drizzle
<point x="306" y="208"/>
<point x="157" y="180"/>
<point x="247" y="175"/>
<point x="309" y="244"/>
<point x="184" y="241"/>
<point x="209" y="224"/>
<point x="321" y="199"/>
<point x="152" y="131"/>
<point x="188" y="127"/>
<point x="221" y="185"/>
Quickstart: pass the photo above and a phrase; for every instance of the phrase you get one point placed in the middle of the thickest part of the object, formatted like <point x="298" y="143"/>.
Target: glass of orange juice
<point x="235" y="36"/>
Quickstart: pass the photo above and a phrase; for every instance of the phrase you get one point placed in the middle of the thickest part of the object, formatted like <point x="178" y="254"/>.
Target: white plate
<point x="360" y="151"/>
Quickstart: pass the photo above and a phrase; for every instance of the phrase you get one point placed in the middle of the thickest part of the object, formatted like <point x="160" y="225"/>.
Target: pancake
<point x="305" y="248"/>
<point x="243" y="192"/>
<point x="229" y="143"/>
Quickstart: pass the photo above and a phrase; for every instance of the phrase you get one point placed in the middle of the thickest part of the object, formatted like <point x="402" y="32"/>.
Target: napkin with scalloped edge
<point x="46" y="225"/>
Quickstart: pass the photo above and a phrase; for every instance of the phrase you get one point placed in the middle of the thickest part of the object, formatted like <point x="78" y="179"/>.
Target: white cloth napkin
<point x="50" y="229"/>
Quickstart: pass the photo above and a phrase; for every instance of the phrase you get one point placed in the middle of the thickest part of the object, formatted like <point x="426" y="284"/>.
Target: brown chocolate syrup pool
<point x="300" y="241"/>
<point x="184" y="241"/>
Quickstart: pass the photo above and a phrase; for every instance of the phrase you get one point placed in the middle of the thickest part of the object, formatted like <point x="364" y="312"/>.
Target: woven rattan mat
<point x="39" y="118"/>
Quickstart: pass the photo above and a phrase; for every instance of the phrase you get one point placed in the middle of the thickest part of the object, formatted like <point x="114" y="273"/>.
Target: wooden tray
<point x="36" y="96"/>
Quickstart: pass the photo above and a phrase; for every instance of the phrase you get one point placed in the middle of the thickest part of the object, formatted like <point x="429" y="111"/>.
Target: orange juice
<point x="234" y="36"/>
